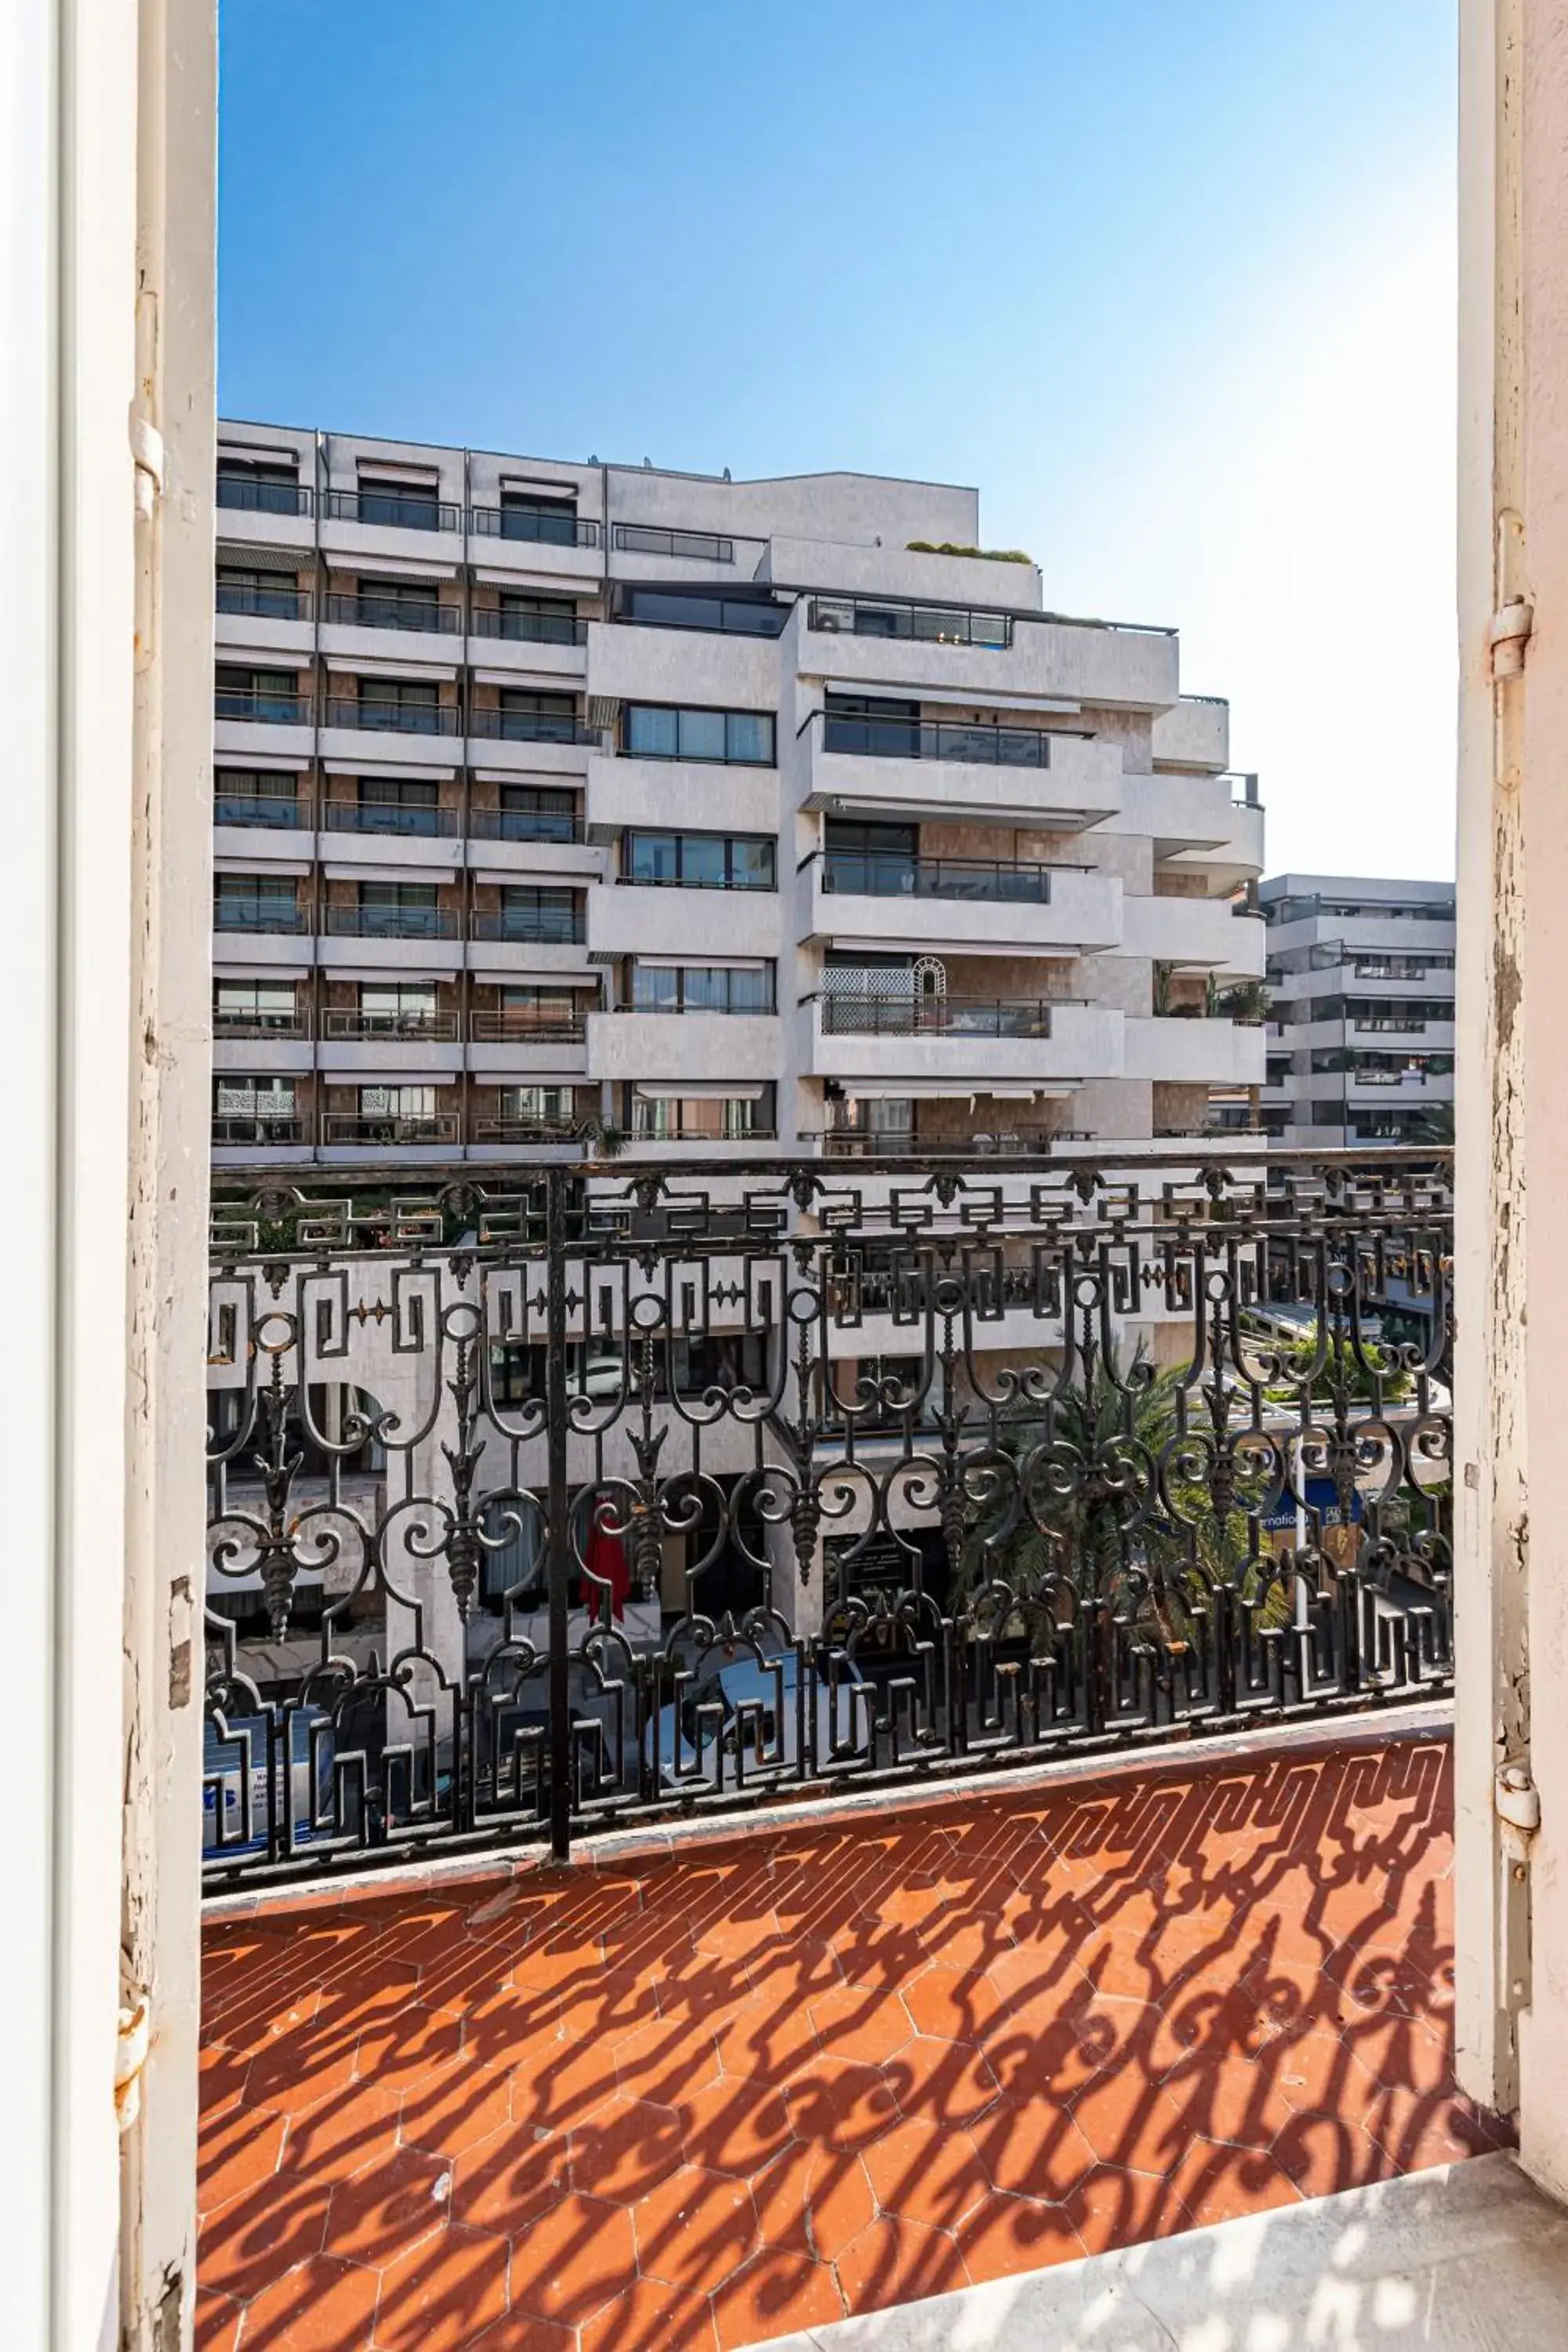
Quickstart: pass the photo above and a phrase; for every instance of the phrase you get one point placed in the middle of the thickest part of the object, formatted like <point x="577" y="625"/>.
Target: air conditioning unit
<point x="833" y="617"/>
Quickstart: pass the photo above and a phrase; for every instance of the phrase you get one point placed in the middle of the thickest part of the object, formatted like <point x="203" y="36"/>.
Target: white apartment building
<point x="756" y="815"/>
<point x="1361" y="1028"/>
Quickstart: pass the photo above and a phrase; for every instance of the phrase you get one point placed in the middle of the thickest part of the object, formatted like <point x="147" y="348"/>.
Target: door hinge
<point x="147" y="453"/>
<point x="1508" y="636"/>
<point x="129" y="2057"/>
<point x="1518" y="1803"/>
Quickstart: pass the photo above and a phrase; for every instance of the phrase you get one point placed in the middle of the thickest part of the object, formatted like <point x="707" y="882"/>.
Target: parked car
<point x="750" y="1729"/>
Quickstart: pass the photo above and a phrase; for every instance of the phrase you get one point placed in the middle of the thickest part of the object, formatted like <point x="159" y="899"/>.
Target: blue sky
<point x="1169" y="281"/>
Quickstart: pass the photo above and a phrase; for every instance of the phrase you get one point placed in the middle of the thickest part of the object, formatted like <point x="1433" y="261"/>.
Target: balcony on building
<point x="409" y="1116"/>
<point x="1184" y="925"/>
<point x="696" y="1021"/>
<point x="402" y="1026"/>
<point x="948" y="1121"/>
<point x="731" y="1117"/>
<point x="263" y="909"/>
<point x="877" y="1022"/>
<point x="871" y="755"/>
<point x="264" y="816"/>
<point x="675" y="886"/>
<point x="905" y="900"/>
<point x="262" y="499"/>
<point x="703" y="766"/>
<point x="533" y="1116"/>
<point x="385" y="617"/>
<point x="517" y="829"/>
<point x="536" y="536"/>
<point x="263" y="709"/>
<point x="1192" y="1111"/>
<point x="261" y="1115"/>
<point x="1211" y="826"/>
<point x="519" y="928"/>
<point x="529" y="1028"/>
<point x="528" y="731"/>
<point x="395" y="515"/>
<point x="389" y="920"/>
<point x="263" y="606"/>
<point x="515" y="633"/>
<point x="262" y="1024"/>
<point x="936" y="631"/>
<point x="380" y="826"/>
<point x="390" y="721"/>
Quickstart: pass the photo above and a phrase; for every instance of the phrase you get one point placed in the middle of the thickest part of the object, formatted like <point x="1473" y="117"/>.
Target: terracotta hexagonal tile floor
<point x="707" y="2099"/>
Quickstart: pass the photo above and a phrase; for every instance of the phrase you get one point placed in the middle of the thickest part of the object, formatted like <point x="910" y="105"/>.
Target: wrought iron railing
<point x="641" y="1449"/>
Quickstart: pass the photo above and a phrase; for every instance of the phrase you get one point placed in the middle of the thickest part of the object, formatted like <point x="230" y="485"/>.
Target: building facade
<point x="554" y="800"/>
<point x="1361" y="1017"/>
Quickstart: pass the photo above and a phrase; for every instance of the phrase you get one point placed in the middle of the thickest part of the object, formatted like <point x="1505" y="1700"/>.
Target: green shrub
<point x="951" y="547"/>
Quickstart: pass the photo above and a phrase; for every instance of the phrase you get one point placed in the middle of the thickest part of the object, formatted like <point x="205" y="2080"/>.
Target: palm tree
<point x="1433" y="1124"/>
<point x="1113" y="1507"/>
<point x="601" y="1137"/>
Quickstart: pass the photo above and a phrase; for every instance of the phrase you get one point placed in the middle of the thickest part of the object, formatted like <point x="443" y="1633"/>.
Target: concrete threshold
<point x="1465" y="2258"/>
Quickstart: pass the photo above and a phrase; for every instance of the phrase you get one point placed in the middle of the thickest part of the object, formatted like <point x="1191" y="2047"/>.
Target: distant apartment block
<point x="557" y="798"/>
<point x="1361" y="1030"/>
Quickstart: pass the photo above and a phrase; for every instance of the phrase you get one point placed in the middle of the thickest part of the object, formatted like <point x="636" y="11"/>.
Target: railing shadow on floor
<point x="710" y="2096"/>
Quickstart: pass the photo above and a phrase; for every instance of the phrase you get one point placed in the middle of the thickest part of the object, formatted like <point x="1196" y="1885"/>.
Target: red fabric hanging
<point x="607" y="1560"/>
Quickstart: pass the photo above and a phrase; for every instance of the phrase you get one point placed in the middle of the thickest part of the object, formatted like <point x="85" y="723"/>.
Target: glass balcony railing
<point x="390" y="1127"/>
<point x="542" y="526"/>
<point x="511" y="1026"/>
<point x="283" y="812"/>
<point x="530" y="727"/>
<point x="231" y="1022"/>
<point x="525" y="824"/>
<point x="262" y="706"/>
<point x="260" y="915"/>
<point x="253" y="494"/>
<point x="901" y="1143"/>
<point x="393" y="717"/>
<point x="284" y="602"/>
<point x="355" y="1026"/>
<point x="881" y="1016"/>
<point x="260" y="1132"/>
<point x="926" y="625"/>
<point x="976" y="745"/>
<point x="393" y="922"/>
<point x="370" y="611"/>
<point x="391" y="816"/>
<point x="695" y="546"/>
<point x="538" y="926"/>
<point x="396" y="509"/>
<point x="522" y="1130"/>
<point x="528" y="628"/>
<point x="879" y="874"/>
